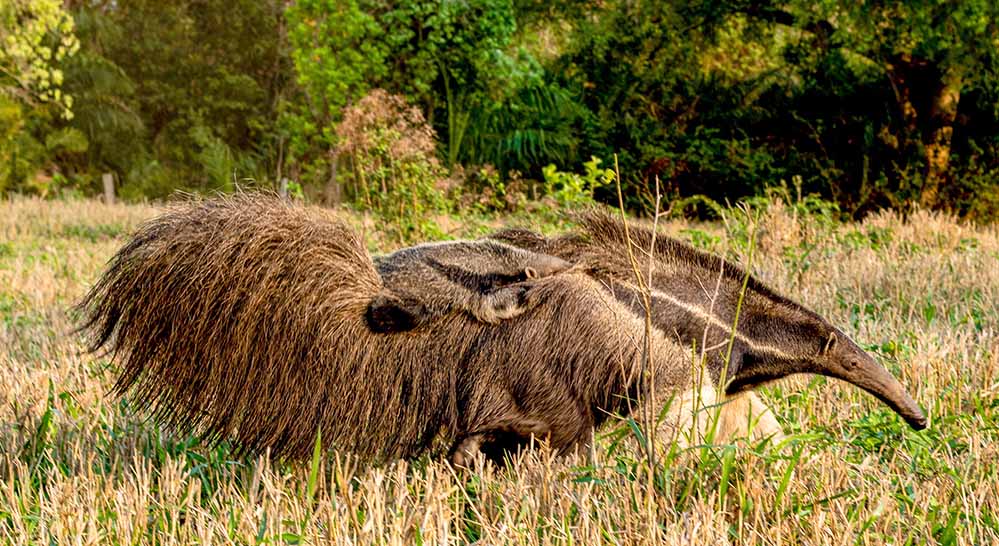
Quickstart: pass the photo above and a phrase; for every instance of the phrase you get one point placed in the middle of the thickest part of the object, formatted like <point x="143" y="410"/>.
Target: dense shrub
<point x="391" y="148"/>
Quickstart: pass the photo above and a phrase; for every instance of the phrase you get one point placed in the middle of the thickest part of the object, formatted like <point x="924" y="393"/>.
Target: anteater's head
<point x="770" y="345"/>
<point x="700" y="298"/>
<point x="749" y="333"/>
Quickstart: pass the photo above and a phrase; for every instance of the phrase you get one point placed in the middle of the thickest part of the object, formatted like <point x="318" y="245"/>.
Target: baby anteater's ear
<point x="543" y="265"/>
<point x="388" y="314"/>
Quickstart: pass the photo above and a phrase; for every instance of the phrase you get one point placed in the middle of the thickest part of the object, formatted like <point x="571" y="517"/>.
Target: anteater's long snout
<point x="866" y="373"/>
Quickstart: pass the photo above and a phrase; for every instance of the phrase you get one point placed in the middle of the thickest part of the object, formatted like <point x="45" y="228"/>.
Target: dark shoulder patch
<point x="387" y="315"/>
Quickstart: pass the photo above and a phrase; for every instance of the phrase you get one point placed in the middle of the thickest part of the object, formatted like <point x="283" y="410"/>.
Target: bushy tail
<point x="225" y="316"/>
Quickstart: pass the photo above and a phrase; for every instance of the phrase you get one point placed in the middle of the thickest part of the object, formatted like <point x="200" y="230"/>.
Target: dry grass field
<point x="922" y="293"/>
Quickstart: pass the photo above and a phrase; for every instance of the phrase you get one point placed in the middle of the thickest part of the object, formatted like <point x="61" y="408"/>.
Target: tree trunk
<point x="928" y="97"/>
<point x="937" y="136"/>
<point x="108" y="181"/>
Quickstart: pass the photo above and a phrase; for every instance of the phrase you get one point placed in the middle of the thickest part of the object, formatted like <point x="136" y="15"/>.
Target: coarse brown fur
<point x="695" y="296"/>
<point x="427" y="281"/>
<point x="243" y="318"/>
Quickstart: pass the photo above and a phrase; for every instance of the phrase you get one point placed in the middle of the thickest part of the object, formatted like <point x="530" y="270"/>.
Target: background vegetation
<point x="827" y="119"/>
<point x="869" y="105"/>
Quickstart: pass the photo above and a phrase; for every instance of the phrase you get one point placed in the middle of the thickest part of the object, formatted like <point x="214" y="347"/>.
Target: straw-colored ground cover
<point x="77" y="467"/>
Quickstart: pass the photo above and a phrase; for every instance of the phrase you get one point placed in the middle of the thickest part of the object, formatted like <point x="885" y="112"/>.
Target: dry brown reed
<point x="919" y="290"/>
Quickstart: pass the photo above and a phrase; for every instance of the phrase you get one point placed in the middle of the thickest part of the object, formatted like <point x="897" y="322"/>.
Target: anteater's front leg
<point x="498" y="441"/>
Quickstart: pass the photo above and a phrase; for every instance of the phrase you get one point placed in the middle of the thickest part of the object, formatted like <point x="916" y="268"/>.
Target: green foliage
<point x="66" y="139"/>
<point x="336" y="51"/>
<point x="36" y="39"/>
<point x="11" y="122"/>
<point x="725" y="99"/>
<point x="186" y="103"/>
<point x="25" y="149"/>
<point x="529" y="127"/>
<point x="448" y="56"/>
<point x="391" y="152"/>
<point x="572" y="190"/>
<point x="872" y="105"/>
<point x="105" y="109"/>
<point x="36" y="36"/>
<point x="468" y="42"/>
<point x="337" y="54"/>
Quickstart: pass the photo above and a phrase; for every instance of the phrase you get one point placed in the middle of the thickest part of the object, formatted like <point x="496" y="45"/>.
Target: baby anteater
<point x="487" y="279"/>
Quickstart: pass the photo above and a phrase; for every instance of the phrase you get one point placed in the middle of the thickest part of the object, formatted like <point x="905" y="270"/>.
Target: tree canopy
<point x="868" y="104"/>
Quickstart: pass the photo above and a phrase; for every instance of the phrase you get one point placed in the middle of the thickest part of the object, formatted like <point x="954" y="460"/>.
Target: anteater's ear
<point x="830" y="343"/>
<point x="530" y="272"/>
<point x="387" y="314"/>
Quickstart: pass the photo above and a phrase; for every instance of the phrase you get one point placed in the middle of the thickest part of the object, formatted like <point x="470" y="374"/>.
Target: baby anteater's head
<point x="490" y="280"/>
<point x="499" y="263"/>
